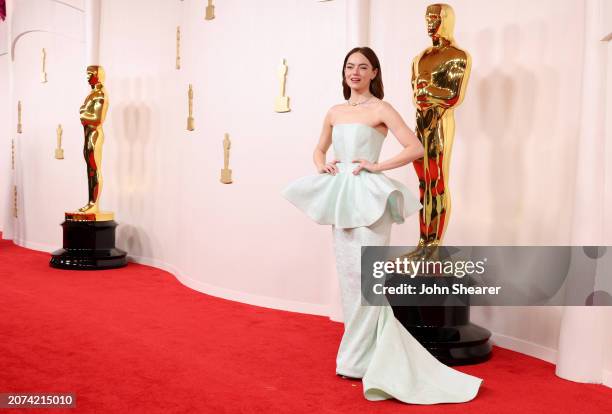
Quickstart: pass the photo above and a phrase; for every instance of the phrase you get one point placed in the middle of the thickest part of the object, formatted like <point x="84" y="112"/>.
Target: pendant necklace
<point x="358" y="103"/>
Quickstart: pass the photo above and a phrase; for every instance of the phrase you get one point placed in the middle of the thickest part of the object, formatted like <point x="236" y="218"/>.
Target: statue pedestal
<point x="447" y="333"/>
<point x="88" y="245"/>
<point x="226" y="176"/>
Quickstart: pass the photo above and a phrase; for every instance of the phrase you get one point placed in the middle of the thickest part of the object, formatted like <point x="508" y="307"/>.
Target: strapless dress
<point x="347" y="200"/>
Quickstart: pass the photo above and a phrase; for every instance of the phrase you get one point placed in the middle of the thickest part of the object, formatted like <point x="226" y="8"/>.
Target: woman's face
<point x="358" y="72"/>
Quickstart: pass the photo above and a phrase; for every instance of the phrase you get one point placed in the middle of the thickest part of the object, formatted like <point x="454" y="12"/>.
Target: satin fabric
<point x="347" y="200"/>
<point x="376" y="347"/>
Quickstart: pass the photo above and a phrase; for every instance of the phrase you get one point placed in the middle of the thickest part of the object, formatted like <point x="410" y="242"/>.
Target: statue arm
<point x="446" y="89"/>
<point x="95" y="116"/>
<point x="441" y="94"/>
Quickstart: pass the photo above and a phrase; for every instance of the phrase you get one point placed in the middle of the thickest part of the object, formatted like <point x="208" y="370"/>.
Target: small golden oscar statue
<point x="19" y="126"/>
<point x="178" y="48"/>
<point x="190" y="121"/>
<point x="59" y="152"/>
<point x="15" y="201"/>
<point x="43" y="75"/>
<point x="282" y="102"/>
<point x="226" y="173"/>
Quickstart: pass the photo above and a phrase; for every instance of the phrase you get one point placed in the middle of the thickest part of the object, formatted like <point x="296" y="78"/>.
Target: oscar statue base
<point x="447" y="333"/>
<point x="281" y="104"/>
<point x="226" y="176"/>
<point x="81" y="216"/>
<point x="88" y="245"/>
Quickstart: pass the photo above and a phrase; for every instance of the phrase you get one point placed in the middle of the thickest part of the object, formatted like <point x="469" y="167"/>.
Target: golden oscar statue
<point x="439" y="77"/>
<point x="89" y="234"/>
<point x="93" y="114"/>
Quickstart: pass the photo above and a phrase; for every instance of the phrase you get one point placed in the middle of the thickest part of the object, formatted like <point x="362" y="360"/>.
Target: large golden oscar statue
<point x="439" y="77"/>
<point x="89" y="234"/>
<point x="93" y="114"/>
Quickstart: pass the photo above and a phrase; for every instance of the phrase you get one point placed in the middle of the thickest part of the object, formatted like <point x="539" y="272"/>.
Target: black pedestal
<point x="446" y="332"/>
<point x="89" y="245"/>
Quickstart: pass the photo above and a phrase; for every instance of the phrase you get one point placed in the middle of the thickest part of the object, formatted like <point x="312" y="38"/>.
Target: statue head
<point x="440" y="20"/>
<point x="95" y="75"/>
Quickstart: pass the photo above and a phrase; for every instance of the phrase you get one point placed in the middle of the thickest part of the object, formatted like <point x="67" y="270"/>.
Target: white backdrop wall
<point x="238" y="240"/>
<point x="44" y="185"/>
<point x="5" y="122"/>
<point x="514" y="162"/>
<point x="606" y="33"/>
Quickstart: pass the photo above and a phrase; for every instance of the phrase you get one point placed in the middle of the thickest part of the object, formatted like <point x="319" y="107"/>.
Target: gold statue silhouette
<point x="43" y="74"/>
<point x="92" y="114"/>
<point x="19" y="126"/>
<point x="439" y="78"/>
<point x="226" y="173"/>
<point x="59" y="151"/>
<point x="15" y="201"/>
<point x="178" y="47"/>
<point x="281" y="104"/>
<point x="190" y="120"/>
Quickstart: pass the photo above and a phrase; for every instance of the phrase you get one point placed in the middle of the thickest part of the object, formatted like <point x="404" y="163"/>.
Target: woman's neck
<point x="359" y="96"/>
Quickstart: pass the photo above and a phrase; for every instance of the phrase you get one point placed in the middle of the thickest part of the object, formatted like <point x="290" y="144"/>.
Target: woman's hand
<point x="330" y="168"/>
<point x="365" y="165"/>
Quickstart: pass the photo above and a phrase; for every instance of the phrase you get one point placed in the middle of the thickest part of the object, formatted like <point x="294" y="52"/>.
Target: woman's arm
<point x="325" y="141"/>
<point x="413" y="149"/>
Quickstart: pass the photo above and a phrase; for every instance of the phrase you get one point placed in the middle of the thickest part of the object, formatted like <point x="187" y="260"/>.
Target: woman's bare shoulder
<point x="336" y="108"/>
<point x="385" y="107"/>
<point x="384" y="104"/>
<point x="334" y="111"/>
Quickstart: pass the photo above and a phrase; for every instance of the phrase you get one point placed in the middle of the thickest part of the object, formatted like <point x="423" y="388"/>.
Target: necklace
<point x="359" y="103"/>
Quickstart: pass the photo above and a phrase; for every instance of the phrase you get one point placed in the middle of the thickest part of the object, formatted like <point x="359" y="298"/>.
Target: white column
<point x="583" y="331"/>
<point x="588" y="197"/>
<point x="581" y="344"/>
<point x="92" y="32"/>
<point x="357" y="23"/>
<point x="606" y="35"/>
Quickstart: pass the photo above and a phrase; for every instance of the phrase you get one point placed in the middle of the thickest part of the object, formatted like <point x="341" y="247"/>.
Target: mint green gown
<point x="361" y="210"/>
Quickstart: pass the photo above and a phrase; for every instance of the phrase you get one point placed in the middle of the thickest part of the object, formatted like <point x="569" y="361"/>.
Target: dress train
<point x="376" y="347"/>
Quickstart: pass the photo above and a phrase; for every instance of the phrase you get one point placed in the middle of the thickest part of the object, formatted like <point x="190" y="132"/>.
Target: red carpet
<point x="135" y="340"/>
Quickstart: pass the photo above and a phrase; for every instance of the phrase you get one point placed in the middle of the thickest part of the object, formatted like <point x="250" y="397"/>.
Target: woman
<point x="361" y="204"/>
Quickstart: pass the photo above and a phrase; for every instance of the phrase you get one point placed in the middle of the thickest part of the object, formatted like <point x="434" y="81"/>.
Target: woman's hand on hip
<point x="365" y="165"/>
<point x="330" y="168"/>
